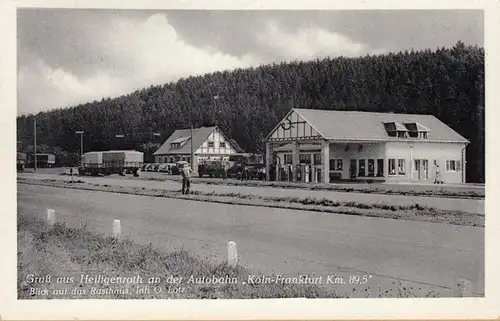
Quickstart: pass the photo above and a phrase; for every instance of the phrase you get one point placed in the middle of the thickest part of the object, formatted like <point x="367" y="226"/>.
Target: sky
<point x="70" y="56"/>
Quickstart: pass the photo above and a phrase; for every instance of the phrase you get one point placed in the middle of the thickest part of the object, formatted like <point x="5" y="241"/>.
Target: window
<point x="453" y="166"/>
<point x="317" y="159"/>
<point x="336" y="164"/>
<point x="175" y="145"/>
<point x="395" y="129"/>
<point x="401" y="167"/>
<point x="380" y="167"/>
<point x="416" y="130"/>
<point x="361" y="169"/>
<point x="371" y="167"/>
<point x="339" y="164"/>
<point x="287" y="159"/>
<point x="210" y="144"/>
<point x="222" y="144"/>
<point x="392" y="166"/>
<point x="305" y="158"/>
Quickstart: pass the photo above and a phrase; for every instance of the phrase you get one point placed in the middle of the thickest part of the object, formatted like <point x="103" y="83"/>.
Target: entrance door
<point x="425" y="169"/>
<point x="353" y="169"/>
<point x="416" y="170"/>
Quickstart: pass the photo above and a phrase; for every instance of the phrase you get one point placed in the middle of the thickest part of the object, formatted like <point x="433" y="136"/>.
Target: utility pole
<point x="34" y="140"/>
<point x="192" y="148"/>
<point x="79" y="132"/>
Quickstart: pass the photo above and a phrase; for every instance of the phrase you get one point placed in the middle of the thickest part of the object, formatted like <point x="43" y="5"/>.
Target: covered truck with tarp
<point x="112" y="162"/>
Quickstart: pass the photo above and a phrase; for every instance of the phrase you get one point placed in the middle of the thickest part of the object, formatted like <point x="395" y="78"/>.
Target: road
<point x="469" y="205"/>
<point x="285" y="242"/>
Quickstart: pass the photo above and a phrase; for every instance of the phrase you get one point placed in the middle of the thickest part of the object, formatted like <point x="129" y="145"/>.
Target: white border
<point x="11" y="308"/>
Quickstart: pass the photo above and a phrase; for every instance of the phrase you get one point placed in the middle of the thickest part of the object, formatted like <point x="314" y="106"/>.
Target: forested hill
<point x="247" y="103"/>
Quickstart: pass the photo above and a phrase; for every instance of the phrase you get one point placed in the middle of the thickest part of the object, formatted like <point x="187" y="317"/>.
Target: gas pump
<point x="298" y="172"/>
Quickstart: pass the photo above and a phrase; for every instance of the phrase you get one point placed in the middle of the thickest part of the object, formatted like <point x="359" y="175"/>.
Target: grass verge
<point x="370" y="188"/>
<point x="414" y="212"/>
<point x="71" y="256"/>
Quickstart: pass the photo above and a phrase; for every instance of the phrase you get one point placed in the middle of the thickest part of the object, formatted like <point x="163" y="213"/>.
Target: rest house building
<point x="209" y="144"/>
<point x="323" y="146"/>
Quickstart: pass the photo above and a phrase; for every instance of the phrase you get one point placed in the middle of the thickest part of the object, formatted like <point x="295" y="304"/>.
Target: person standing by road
<point x="186" y="173"/>
<point x="437" y="180"/>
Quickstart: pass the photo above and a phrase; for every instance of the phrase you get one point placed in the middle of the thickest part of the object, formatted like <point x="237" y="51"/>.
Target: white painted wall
<point x="439" y="152"/>
<point x="368" y="151"/>
<point x="216" y="137"/>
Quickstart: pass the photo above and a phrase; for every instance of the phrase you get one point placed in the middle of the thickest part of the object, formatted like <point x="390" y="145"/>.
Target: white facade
<point x="215" y="144"/>
<point x="214" y="148"/>
<point x="298" y="146"/>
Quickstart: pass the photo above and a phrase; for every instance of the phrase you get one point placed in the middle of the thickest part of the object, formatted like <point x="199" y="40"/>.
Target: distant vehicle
<point x="212" y="169"/>
<point x="254" y="163"/>
<point x="163" y="168"/>
<point x="166" y="168"/>
<point x="42" y="160"/>
<point x="21" y="161"/>
<point x="111" y="162"/>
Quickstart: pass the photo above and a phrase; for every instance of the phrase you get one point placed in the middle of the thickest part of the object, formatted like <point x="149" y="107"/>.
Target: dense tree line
<point x="247" y="103"/>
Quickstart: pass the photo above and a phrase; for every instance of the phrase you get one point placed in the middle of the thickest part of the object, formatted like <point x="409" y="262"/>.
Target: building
<point x="209" y="144"/>
<point x="364" y="146"/>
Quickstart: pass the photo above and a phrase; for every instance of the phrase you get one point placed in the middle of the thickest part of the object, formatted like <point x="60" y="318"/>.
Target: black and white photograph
<point x="250" y="154"/>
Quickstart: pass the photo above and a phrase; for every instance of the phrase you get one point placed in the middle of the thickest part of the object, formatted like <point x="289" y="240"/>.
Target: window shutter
<point x="447" y="165"/>
<point x="458" y="166"/>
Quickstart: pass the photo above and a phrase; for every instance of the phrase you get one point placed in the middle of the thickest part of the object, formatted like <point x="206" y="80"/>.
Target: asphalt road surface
<point x="286" y="242"/>
<point x="468" y="205"/>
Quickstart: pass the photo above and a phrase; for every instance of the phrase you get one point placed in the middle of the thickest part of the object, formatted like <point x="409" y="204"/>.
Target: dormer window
<point x="395" y="129"/>
<point x="177" y="143"/>
<point x="417" y="130"/>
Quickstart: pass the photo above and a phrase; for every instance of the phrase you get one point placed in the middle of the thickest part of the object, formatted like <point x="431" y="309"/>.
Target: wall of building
<point x="171" y="158"/>
<point x="436" y="154"/>
<point x="428" y="156"/>
<point x="216" y="138"/>
<point x="357" y="151"/>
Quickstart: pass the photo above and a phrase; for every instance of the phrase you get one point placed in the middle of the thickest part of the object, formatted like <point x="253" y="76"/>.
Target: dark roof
<point x="368" y="126"/>
<point x="199" y="136"/>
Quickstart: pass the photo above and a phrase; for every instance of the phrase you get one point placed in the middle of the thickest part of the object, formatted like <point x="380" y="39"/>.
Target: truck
<point x="212" y="169"/>
<point x="42" y="160"/>
<point x="111" y="162"/>
<point x="254" y="163"/>
<point x="21" y="161"/>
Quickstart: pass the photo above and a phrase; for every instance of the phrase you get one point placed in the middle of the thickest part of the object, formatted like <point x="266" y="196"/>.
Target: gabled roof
<point x="199" y="136"/>
<point x="367" y="126"/>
